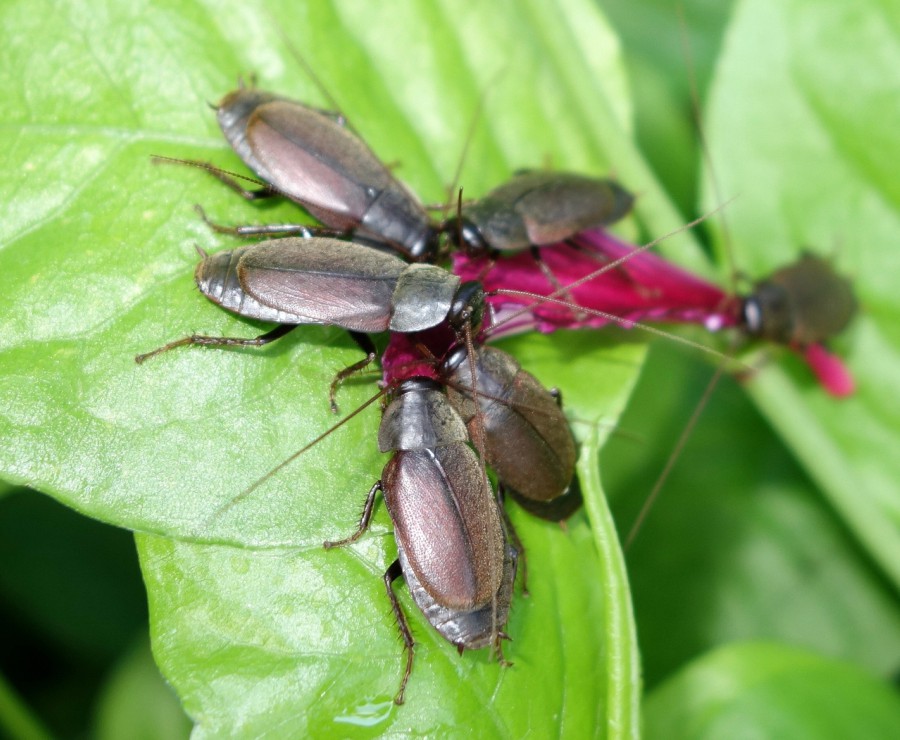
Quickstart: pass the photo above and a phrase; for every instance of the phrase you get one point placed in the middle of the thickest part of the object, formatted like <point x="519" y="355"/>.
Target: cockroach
<point x="520" y="426"/>
<point x="800" y="306"/>
<point x="445" y="517"/>
<point x="452" y="547"/>
<point x="538" y="208"/>
<point x="319" y="280"/>
<point x="314" y="160"/>
<point x="803" y="303"/>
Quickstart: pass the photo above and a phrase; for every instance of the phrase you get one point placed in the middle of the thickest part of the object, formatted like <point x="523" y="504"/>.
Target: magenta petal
<point x="595" y="279"/>
<point x="833" y="375"/>
<point x="643" y="287"/>
<point x="416" y="355"/>
<point x="401" y="359"/>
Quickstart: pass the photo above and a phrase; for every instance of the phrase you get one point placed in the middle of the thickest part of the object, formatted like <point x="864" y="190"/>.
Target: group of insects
<point x="456" y="405"/>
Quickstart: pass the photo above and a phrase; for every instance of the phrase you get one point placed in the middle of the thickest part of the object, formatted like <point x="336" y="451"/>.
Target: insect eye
<point x="753" y="315"/>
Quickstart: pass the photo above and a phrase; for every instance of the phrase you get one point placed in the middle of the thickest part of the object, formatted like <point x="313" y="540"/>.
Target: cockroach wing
<point x="541" y="425"/>
<point x="446" y="521"/>
<point x="233" y="115"/>
<point x="558" y="205"/>
<point x="527" y="439"/>
<point x="216" y="277"/>
<point x="544" y="207"/>
<point x="321" y="165"/>
<point x="314" y="161"/>
<point x="323" y="281"/>
<point x="471" y="629"/>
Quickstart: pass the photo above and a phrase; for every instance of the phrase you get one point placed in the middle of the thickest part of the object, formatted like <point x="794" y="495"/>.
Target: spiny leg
<point x="390" y="575"/>
<point x="364" y="520"/>
<point x="224" y="177"/>
<point x="366" y="345"/>
<point x="513" y="536"/>
<point x="206" y="341"/>
<point x="497" y="649"/>
<point x="253" y="230"/>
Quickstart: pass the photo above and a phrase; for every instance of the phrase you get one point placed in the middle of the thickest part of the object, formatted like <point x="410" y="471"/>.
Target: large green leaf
<point x="97" y="249"/>
<point x="257" y="640"/>
<point x="98" y="254"/>
<point x="302" y="642"/>
<point x="768" y="690"/>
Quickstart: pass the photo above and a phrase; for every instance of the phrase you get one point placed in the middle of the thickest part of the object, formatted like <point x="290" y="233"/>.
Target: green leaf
<point x="767" y="690"/>
<point x="258" y="641"/>
<point x="98" y="257"/>
<point x="16" y="717"/>
<point x="97" y="251"/>
<point x="803" y="132"/>
<point x="136" y="702"/>
<point x="254" y="640"/>
<point x="740" y="545"/>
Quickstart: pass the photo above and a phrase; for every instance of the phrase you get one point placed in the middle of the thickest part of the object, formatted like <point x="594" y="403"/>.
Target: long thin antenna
<point x="554" y="298"/>
<point x="219" y="173"/>
<point x="626" y="323"/>
<point x="308" y="70"/>
<point x="160" y="159"/>
<point x="713" y="382"/>
<point x="461" y="160"/>
<point x="563" y="290"/>
<point x="696" y="112"/>
<point x="287" y="461"/>
<point x="673" y="458"/>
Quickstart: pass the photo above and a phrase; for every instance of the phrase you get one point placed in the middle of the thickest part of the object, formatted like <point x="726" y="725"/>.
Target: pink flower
<point x="415" y="355"/>
<point x="830" y="370"/>
<point x="641" y="287"/>
<point x="594" y="280"/>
